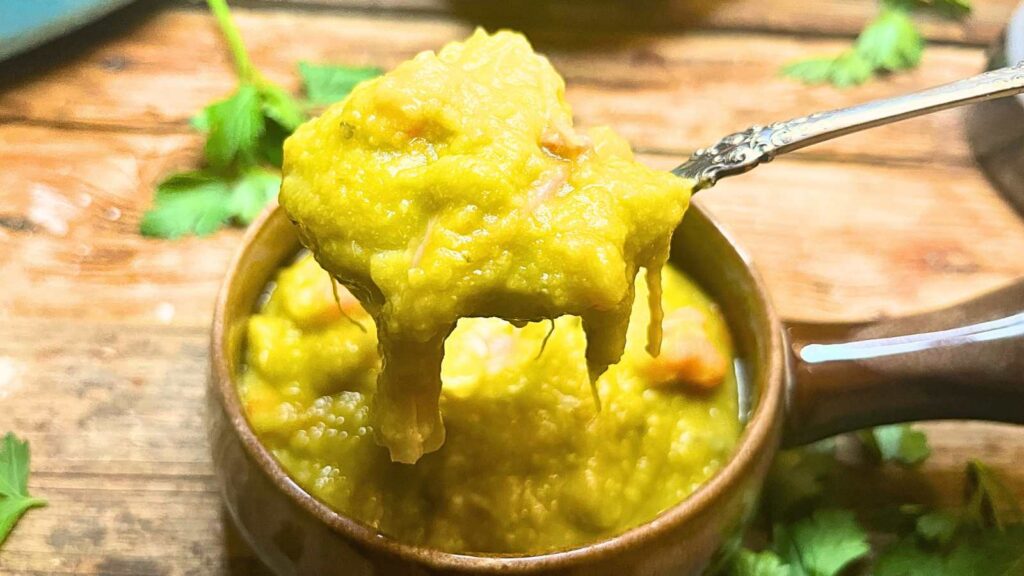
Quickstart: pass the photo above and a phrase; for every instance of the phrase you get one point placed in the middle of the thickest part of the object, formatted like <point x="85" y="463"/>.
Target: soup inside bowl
<point x="533" y="462"/>
<point x="534" y="478"/>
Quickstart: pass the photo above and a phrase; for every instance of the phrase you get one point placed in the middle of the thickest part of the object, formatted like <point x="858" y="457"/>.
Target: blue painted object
<point x="25" y="24"/>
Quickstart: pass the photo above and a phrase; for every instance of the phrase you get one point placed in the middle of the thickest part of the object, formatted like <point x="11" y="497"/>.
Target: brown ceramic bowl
<point x="965" y="362"/>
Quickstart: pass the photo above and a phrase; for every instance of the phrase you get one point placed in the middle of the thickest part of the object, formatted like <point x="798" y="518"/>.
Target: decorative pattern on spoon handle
<point x="741" y="152"/>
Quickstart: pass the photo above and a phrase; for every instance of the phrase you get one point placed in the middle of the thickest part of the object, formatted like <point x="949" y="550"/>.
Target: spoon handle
<point x="742" y="151"/>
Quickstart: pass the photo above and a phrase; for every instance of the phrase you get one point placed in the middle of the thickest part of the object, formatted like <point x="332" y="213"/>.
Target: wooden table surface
<point x="103" y="333"/>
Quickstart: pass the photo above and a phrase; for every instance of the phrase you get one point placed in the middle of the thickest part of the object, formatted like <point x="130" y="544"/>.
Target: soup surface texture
<point x="455" y="186"/>
<point x="530" y="464"/>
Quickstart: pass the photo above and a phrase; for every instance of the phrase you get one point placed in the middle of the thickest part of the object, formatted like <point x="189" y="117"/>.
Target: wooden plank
<point x="69" y="242"/>
<point x="851" y="241"/>
<point x="834" y="240"/>
<point x="113" y="412"/>
<point x="114" y="416"/>
<point x="837" y="17"/>
<point x="667" y="92"/>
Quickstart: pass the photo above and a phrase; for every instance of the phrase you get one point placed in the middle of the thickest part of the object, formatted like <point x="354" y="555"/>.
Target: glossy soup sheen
<point x="530" y="464"/>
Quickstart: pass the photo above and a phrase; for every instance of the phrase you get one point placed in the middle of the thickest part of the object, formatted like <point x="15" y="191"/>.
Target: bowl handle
<point x="963" y="362"/>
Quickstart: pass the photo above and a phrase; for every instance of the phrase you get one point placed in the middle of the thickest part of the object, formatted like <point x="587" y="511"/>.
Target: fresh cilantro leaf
<point x="245" y="134"/>
<point x="984" y="553"/>
<point x="251" y="192"/>
<point x="281" y="107"/>
<point x="188" y="203"/>
<point x="14" y="458"/>
<point x="270" y="149"/>
<point x="326" y="84"/>
<point x="850" y="69"/>
<point x="938" y="527"/>
<point x="201" y="202"/>
<point x="989" y="503"/>
<point x="847" y="69"/>
<point x="811" y="70"/>
<point x="907" y="558"/>
<point x="14" y="496"/>
<point x="891" y="42"/>
<point x="766" y="563"/>
<point x="201" y="121"/>
<point x="797" y="477"/>
<point x="235" y="126"/>
<point x="898" y="443"/>
<point x="823" y="544"/>
<point x="989" y="553"/>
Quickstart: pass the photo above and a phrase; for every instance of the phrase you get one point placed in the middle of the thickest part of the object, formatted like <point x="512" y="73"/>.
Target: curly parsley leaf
<point x="766" y="563"/>
<point x="326" y="84"/>
<point x="899" y="443"/>
<point x="891" y="42"/>
<point x="822" y="544"/>
<point x="14" y="497"/>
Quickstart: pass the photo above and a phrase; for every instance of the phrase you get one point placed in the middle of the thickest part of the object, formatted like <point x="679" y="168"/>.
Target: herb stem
<point x="243" y="65"/>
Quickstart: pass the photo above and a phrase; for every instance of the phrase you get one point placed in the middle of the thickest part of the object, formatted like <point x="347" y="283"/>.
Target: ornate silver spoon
<point x="742" y="151"/>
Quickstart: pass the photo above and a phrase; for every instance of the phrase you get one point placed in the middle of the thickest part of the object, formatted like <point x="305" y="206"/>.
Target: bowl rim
<point x="757" y="436"/>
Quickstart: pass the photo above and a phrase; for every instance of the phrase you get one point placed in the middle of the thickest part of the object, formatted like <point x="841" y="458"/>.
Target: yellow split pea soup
<point x="530" y="464"/>
<point x="455" y="186"/>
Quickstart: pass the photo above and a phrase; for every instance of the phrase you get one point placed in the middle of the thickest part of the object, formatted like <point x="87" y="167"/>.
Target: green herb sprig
<point x="14" y="497"/>
<point x="810" y="535"/>
<point x="245" y="133"/>
<point x="890" y="43"/>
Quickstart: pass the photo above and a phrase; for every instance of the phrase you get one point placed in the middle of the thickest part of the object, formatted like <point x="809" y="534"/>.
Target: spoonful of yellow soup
<point x="456" y="186"/>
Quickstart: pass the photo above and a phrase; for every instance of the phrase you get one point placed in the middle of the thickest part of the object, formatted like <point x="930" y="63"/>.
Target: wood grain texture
<point x="103" y="333"/>
<point x="667" y="92"/>
<point x="69" y="218"/>
<point x="832" y="17"/>
<point x="113" y="412"/>
<point x="854" y="242"/>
